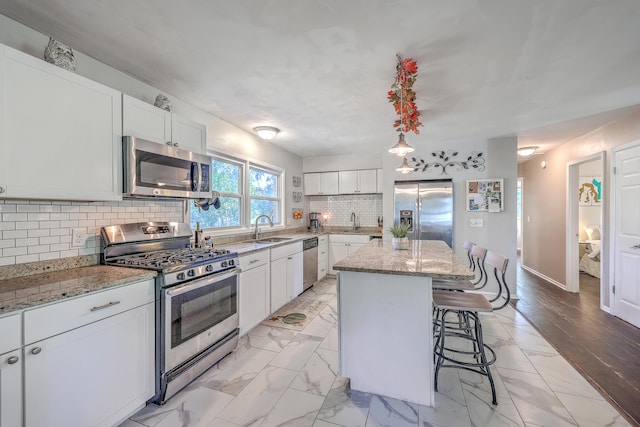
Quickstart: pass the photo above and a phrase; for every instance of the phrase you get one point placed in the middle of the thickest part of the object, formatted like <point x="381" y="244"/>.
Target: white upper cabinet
<point x="379" y="180"/>
<point x="149" y="122"/>
<point x="60" y="133"/>
<point x="188" y="134"/>
<point x="320" y="183"/>
<point x="359" y="181"/>
<point x="145" y="121"/>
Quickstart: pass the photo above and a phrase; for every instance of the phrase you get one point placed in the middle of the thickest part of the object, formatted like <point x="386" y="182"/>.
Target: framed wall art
<point x="485" y="195"/>
<point x="589" y="190"/>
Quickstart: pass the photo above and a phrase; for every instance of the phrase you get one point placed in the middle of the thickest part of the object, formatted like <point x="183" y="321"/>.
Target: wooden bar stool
<point x="466" y="306"/>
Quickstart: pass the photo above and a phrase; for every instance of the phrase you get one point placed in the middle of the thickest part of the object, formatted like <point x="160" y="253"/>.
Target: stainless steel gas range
<point x="196" y="297"/>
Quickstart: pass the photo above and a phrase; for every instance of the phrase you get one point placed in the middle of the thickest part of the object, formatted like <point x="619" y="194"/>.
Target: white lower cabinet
<point x="96" y="374"/>
<point x="10" y="371"/>
<point x="343" y="245"/>
<point x="255" y="290"/>
<point x="323" y="256"/>
<point x="286" y="274"/>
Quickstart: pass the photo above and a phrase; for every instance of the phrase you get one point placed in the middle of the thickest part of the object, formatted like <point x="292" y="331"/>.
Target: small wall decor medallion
<point x="60" y="54"/>
<point x="162" y="102"/>
<point x="446" y="159"/>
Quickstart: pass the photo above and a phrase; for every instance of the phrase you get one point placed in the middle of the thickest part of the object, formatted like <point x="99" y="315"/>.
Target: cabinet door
<point x="279" y="289"/>
<point x="312" y="184"/>
<point x="348" y="182"/>
<point x="95" y="375"/>
<point x="330" y="183"/>
<point x="145" y="121"/>
<point x="60" y="133"/>
<point x="294" y="275"/>
<point x="323" y="257"/>
<point x="188" y="134"/>
<point x="367" y="181"/>
<point x="11" y="389"/>
<point x="337" y="251"/>
<point x="255" y="304"/>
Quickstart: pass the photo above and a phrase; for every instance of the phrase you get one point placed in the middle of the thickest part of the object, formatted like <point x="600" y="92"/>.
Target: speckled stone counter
<point x="431" y="258"/>
<point x="29" y="291"/>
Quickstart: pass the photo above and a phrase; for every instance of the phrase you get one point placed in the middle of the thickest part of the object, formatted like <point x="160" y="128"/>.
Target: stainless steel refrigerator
<point x="427" y="206"/>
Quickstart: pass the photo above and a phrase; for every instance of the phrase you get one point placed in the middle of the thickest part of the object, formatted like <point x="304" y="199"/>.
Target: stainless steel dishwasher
<point x="309" y="262"/>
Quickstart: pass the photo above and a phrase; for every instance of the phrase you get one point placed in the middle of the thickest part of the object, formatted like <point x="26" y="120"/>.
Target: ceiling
<point x="546" y="71"/>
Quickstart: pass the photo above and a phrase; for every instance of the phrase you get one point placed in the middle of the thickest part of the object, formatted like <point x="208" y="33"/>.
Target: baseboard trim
<point x="542" y="276"/>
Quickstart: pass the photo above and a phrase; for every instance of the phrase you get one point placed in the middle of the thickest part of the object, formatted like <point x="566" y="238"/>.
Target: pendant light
<point x="401" y="148"/>
<point x="404" y="167"/>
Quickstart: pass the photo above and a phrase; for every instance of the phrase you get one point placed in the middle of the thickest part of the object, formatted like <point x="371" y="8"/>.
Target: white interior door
<point x="627" y="234"/>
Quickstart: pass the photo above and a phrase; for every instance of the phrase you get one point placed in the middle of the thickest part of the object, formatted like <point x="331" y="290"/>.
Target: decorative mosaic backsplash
<point x="41" y="230"/>
<point x="338" y="209"/>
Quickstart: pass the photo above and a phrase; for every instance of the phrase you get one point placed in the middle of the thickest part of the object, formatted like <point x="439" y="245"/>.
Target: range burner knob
<point x="209" y="268"/>
<point x="191" y="273"/>
<point x="180" y="276"/>
<point x="231" y="262"/>
<point x="223" y="264"/>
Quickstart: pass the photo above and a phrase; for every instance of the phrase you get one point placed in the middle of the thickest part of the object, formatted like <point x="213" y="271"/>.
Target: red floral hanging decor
<point x="403" y="97"/>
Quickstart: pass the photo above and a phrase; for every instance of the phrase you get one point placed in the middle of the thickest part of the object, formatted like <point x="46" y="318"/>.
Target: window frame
<point x="279" y="197"/>
<point x="245" y="197"/>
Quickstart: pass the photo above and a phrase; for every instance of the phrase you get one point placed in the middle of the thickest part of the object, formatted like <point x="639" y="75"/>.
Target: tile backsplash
<point x="42" y="230"/>
<point x="338" y="209"/>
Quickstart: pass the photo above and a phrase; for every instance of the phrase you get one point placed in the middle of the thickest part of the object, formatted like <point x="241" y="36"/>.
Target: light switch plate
<point x="476" y="222"/>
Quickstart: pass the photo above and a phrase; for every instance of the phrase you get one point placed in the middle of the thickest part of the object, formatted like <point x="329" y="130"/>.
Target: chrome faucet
<point x="353" y="220"/>
<point x="258" y="220"/>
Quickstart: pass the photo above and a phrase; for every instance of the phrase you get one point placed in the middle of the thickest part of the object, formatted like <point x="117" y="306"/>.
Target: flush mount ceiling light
<point x="401" y="148"/>
<point x="266" y="132"/>
<point x="404" y="167"/>
<point x="527" y="151"/>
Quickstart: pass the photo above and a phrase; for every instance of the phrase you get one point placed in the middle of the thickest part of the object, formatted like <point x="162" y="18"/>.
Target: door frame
<point x="572" y="268"/>
<point x="611" y="240"/>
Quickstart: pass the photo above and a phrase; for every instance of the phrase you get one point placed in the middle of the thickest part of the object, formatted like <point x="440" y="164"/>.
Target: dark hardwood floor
<point x="603" y="348"/>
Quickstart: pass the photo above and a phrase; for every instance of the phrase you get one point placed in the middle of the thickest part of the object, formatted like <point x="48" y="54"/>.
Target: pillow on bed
<point x="593" y="232"/>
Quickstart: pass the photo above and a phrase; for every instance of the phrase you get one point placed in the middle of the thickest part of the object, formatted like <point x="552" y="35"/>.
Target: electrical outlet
<point x="78" y="237"/>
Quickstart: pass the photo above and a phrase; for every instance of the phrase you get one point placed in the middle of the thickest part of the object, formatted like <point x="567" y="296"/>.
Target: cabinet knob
<point x="36" y="350"/>
<point x="1" y="190"/>
<point x="12" y="360"/>
<point x="175" y="144"/>
<point x="169" y="143"/>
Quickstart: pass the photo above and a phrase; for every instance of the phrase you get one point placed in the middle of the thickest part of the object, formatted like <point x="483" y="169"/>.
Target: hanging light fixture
<point x="401" y="148"/>
<point x="406" y="71"/>
<point x="404" y="167"/>
<point x="266" y="132"/>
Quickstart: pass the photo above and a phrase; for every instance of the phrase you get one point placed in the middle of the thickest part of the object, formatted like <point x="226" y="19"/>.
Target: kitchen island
<point x="385" y="316"/>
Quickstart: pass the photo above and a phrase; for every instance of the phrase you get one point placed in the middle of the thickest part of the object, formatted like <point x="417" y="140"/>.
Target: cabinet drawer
<point x="324" y="239"/>
<point x="10" y="333"/>
<point x="255" y="259"/>
<point x="349" y="238"/>
<point x="284" y="251"/>
<point x="44" y="322"/>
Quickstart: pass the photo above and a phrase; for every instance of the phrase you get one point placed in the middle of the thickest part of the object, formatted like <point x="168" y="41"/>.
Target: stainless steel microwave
<point x="158" y="170"/>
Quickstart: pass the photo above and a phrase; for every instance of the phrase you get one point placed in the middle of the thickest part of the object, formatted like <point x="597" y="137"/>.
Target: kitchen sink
<point x="272" y="239"/>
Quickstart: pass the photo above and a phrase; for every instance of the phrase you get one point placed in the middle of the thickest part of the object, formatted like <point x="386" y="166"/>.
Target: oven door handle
<point x="202" y="282"/>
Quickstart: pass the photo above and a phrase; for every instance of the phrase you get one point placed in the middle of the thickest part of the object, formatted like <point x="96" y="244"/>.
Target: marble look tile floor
<point x="281" y="377"/>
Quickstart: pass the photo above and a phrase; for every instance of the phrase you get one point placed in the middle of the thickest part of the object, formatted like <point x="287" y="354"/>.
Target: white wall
<point x="499" y="229"/>
<point x="221" y="137"/>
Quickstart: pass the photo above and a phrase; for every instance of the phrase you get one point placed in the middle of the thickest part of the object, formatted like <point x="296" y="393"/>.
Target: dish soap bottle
<point x="198" y="235"/>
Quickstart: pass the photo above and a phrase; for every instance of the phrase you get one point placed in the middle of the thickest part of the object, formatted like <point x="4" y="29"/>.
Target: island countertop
<point x="433" y="258"/>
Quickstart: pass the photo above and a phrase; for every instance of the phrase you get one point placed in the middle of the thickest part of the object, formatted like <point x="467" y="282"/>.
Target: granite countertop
<point x="248" y="246"/>
<point x="37" y="289"/>
<point x="423" y="258"/>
